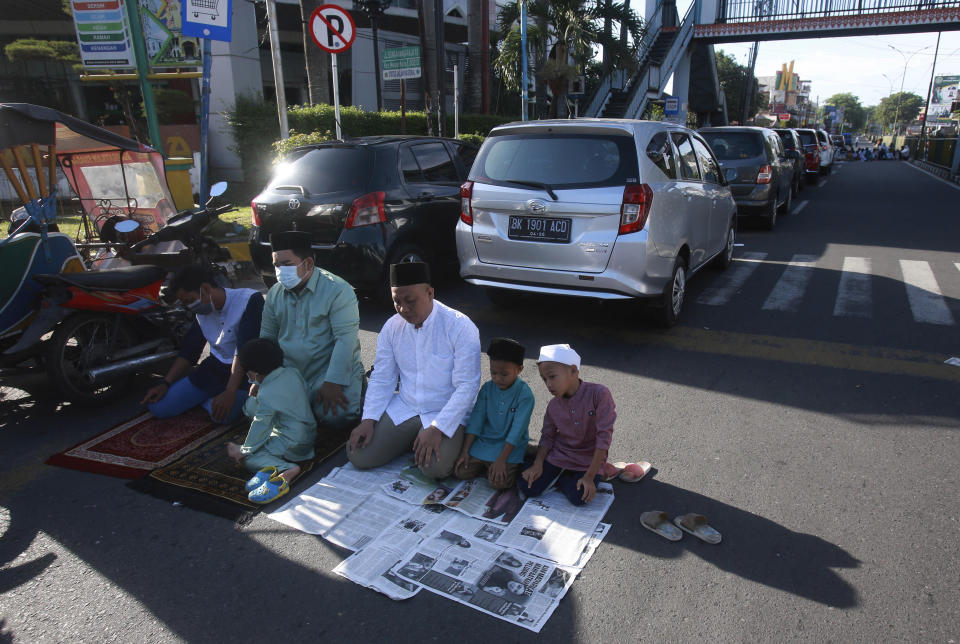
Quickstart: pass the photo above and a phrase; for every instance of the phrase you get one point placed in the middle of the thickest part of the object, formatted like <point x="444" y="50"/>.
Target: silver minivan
<point x="599" y="208"/>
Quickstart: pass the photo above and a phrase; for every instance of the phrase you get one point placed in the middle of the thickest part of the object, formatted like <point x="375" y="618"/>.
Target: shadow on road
<point x="753" y="547"/>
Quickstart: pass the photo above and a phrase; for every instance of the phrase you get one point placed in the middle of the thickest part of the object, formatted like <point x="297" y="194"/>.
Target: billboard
<point x="103" y="34"/>
<point x="166" y="45"/>
<point x="945" y="92"/>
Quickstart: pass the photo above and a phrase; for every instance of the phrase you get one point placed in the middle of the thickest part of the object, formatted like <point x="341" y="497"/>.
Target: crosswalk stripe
<point x="957" y="264"/>
<point x="800" y="206"/>
<point x="923" y="293"/>
<point x="788" y="292"/>
<point x="854" y="292"/>
<point x="732" y="280"/>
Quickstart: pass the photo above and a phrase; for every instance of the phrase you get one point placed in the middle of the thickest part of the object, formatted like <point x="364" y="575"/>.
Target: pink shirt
<point x="574" y="427"/>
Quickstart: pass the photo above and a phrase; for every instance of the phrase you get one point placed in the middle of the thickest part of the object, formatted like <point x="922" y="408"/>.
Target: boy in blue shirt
<point x="497" y="433"/>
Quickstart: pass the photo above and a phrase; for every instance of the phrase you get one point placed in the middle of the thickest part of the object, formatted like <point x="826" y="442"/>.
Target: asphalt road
<point x="802" y="405"/>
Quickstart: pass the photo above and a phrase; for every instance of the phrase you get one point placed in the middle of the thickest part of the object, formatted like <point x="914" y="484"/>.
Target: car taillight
<point x="256" y="215"/>
<point x="635" y="208"/>
<point x="366" y="210"/>
<point x="823" y="147"/>
<point x="466" y="202"/>
<point x="765" y="174"/>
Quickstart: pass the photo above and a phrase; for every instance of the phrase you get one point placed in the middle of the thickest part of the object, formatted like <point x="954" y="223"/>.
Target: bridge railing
<point x="760" y="10"/>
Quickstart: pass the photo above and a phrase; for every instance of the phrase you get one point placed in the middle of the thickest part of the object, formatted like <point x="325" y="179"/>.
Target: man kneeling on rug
<point x="435" y="352"/>
<point x="282" y="429"/>
<point x="226" y="318"/>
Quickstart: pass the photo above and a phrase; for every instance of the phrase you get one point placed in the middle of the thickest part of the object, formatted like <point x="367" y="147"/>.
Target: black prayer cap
<point x="297" y="241"/>
<point x="506" y="349"/>
<point x="262" y="355"/>
<point x="407" y="273"/>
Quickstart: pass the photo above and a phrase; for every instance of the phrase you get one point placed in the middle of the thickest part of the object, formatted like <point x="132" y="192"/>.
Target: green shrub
<point x="474" y="139"/>
<point x="256" y="129"/>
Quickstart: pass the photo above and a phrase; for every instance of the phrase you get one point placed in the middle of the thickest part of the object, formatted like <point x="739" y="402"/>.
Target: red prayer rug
<point x="134" y="448"/>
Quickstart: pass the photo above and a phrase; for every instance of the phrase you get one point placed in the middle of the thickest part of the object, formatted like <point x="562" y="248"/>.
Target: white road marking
<point x="923" y="293"/>
<point x="953" y="362"/>
<point x="788" y="292"/>
<point x="854" y="292"/>
<point x="822" y="183"/>
<point x="800" y="206"/>
<point x="957" y="264"/>
<point x="726" y="286"/>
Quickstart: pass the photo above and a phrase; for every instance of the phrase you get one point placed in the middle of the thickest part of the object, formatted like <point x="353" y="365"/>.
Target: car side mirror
<point x="730" y="174"/>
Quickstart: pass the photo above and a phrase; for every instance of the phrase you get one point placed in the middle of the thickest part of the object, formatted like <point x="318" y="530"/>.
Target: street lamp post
<point x="883" y="120"/>
<point x="906" y="61"/>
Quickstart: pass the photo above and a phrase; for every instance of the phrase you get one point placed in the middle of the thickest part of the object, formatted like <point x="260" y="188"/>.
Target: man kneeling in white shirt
<point x="435" y="351"/>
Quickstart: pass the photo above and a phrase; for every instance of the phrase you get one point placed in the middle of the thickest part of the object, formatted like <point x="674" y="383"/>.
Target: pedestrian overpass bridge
<point x="683" y="48"/>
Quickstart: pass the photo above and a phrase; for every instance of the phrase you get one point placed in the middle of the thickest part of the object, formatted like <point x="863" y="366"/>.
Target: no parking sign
<point x="332" y="28"/>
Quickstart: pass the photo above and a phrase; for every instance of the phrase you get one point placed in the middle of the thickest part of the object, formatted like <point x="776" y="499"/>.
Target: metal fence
<point x="759" y="10"/>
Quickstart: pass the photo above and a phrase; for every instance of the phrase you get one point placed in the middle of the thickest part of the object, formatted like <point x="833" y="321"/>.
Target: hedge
<point x="256" y="129"/>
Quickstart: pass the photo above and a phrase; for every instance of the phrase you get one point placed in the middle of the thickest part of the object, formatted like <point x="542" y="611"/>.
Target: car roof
<point x="375" y="140"/>
<point x="586" y="125"/>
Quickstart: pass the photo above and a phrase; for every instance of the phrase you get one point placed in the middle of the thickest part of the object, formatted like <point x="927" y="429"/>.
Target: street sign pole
<point x="277" y="69"/>
<point x="205" y="119"/>
<point x="403" y="106"/>
<point x="456" y="105"/>
<point x="336" y="94"/>
<point x="140" y="54"/>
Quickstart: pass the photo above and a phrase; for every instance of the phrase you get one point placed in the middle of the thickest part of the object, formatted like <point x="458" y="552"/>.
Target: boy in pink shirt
<point x="577" y="429"/>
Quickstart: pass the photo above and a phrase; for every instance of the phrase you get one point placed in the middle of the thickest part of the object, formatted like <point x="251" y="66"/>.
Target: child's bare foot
<point x="233" y="451"/>
<point x="289" y="475"/>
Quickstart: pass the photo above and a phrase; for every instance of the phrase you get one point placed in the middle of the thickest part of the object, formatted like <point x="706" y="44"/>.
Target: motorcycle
<point x="90" y="329"/>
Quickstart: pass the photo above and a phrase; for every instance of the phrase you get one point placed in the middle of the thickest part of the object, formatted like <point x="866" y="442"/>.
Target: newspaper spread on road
<point x="413" y="486"/>
<point x="478" y="499"/>
<point x="508" y="584"/>
<point x="549" y="526"/>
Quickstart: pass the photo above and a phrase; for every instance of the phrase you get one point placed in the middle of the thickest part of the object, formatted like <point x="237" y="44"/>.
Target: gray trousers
<point x="390" y="441"/>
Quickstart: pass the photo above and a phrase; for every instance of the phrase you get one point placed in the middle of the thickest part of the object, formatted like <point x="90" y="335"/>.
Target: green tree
<point x="900" y="108"/>
<point x="54" y="50"/>
<point x="562" y="41"/>
<point x="853" y="112"/>
<point x="733" y="78"/>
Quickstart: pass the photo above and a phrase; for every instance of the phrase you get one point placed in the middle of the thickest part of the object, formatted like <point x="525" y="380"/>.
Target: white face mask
<point x="287" y="275"/>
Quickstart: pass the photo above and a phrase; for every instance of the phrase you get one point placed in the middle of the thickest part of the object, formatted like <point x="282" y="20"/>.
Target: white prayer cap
<point x="561" y="353"/>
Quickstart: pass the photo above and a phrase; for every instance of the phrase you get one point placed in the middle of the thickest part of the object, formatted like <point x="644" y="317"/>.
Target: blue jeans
<point x="566" y="483"/>
<point x="183" y="395"/>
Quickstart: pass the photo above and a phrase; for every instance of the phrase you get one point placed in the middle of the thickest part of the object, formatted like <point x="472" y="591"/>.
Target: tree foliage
<point x="733" y="79"/>
<point x="901" y="107"/>
<point x="65" y="51"/>
<point x="853" y="112"/>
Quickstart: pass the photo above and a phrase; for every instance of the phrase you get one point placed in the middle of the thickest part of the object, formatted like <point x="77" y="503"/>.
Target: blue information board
<point x="211" y="19"/>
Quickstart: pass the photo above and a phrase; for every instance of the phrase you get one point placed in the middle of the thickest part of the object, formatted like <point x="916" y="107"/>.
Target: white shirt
<point x="220" y="327"/>
<point x="438" y="366"/>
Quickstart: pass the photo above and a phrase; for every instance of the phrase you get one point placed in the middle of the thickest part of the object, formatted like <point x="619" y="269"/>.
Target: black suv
<point x="368" y="203"/>
<point x="791" y="142"/>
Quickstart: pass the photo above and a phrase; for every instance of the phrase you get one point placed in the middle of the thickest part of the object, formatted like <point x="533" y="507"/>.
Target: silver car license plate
<point x="548" y="229"/>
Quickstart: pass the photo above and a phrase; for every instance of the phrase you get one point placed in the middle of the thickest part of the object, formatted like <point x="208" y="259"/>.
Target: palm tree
<point x="317" y="60"/>
<point x="562" y="41"/>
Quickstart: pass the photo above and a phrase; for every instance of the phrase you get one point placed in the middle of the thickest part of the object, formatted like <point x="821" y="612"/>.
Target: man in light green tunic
<point x="313" y="315"/>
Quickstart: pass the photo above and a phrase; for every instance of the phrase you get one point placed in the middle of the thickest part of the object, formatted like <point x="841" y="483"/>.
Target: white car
<point x="598" y="208"/>
<point x="826" y="152"/>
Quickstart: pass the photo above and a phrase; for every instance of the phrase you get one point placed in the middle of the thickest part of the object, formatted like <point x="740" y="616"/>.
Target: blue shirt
<point x="501" y="416"/>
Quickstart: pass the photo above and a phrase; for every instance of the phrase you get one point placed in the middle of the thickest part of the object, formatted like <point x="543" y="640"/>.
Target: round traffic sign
<point x="332" y="28"/>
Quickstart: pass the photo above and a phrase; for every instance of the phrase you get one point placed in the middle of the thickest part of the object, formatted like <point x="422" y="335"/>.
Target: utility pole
<point x="748" y="83"/>
<point x="926" y="110"/>
<point x="277" y="69"/>
<point x="374" y="10"/>
<point x="143" y="70"/>
<point x="441" y="66"/>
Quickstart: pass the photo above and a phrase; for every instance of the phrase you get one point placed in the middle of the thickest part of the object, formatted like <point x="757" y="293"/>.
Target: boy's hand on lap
<point x="532" y="473"/>
<point x="462" y="460"/>
<point x="589" y="488"/>
<point x="498" y="472"/>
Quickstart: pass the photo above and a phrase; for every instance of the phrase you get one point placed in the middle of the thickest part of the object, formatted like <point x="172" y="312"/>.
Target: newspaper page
<point x="366" y="521"/>
<point x="413" y="486"/>
<point x="551" y="527"/>
<point x="373" y="565"/>
<point x="319" y="508"/>
<point x="476" y="498"/>
<point x="510" y="585"/>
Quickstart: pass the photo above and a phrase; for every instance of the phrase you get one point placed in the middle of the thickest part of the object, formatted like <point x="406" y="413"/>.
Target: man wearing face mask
<point x="226" y="318"/>
<point x="313" y="315"/>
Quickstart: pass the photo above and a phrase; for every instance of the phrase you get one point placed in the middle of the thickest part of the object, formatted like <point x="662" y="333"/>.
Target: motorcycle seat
<point x="114" y="279"/>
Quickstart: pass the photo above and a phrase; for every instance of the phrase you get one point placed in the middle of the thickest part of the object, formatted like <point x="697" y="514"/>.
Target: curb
<point x="937" y="170"/>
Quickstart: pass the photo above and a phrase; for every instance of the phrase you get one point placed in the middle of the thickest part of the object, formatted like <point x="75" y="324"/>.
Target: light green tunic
<point x="317" y="329"/>
<point x="283" y="429"/>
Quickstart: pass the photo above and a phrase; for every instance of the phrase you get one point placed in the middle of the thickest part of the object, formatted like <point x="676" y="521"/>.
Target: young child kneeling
<point x="497" y="433"/>
<point x="283" y="428"/>
<point x="577" y="429"/>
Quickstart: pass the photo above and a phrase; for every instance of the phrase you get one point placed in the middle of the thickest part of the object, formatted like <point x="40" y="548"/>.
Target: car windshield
<point x="807" y="138"/>
<point x="787" y="140"/>
<point x="557" y="160"/>
<point x="326" y="169"/>
<point x="730" y="146"/>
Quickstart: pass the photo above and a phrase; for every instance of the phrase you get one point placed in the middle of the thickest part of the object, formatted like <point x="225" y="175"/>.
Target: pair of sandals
<point x="695" y="524"/>
<point x="626" y="472"/>
<point x="266" y="485"/>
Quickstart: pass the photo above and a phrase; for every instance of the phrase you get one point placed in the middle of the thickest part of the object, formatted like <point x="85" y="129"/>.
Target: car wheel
<point x="672" y="299"/>
<point x="725" y="258"/>
<point x="787" y="203"/>
<point x="770" y="218"/>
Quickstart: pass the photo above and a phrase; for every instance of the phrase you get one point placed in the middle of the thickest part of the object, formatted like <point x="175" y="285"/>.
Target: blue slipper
<point x="261" y="477"/>
<point x="270" y="490"/>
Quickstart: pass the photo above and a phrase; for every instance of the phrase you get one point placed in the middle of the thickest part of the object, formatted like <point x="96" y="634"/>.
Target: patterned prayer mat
<point x="135" y="447"/>
<point x="207" y="479"/>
